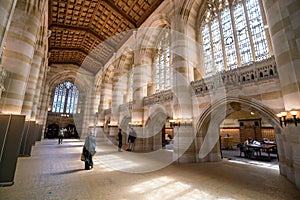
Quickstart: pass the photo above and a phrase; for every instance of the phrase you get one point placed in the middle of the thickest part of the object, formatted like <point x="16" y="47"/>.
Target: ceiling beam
<point x="73" y="63"/>
<point x="123" y="14"/>
<point x="149" y="12"/>
<point x="77" y="50"/>
<point x="77" y="28"/>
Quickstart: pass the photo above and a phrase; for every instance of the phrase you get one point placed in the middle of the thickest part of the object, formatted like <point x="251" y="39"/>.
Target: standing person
<point x="131" y="139"/>
<point x="60" y="136"/>
<point x="120" y="137"/>
<point x="89" y="150"/>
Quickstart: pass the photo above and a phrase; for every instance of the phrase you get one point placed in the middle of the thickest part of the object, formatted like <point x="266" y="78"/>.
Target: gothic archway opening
<point x="241" y="126"/>
<point x="245" y="113"/>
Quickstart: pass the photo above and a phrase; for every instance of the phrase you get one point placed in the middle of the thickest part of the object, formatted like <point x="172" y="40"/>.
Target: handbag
<point x="82" y="157"/>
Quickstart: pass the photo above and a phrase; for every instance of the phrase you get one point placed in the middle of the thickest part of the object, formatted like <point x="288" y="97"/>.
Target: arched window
<point x="162" y="62"/>
<point x="233" y="35"/>
<point x="65" y="98"/>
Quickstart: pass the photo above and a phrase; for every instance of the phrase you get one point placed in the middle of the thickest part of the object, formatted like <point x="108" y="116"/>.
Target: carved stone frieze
<point x="160" y="97"/>
<point x="255" y="72"/>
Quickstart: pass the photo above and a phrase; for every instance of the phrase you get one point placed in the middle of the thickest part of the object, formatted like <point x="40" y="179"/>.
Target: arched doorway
<point x="52" y="131"/>
<point x="208" y="126"/>
<point x="241" y="126"/>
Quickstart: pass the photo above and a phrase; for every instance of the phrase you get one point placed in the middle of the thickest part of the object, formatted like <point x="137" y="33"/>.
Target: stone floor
<point x="55" y="172"/>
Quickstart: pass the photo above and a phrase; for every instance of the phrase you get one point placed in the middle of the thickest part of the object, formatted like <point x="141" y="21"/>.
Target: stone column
<point x="7" y="8"/>
<point x="141" y="73"/>
<point x="17" y="57"/>
<point x="28" y="107"/>
<point x="182" y="75"/>
<point x="283" y="20"/>
<point x="6" y="12"/>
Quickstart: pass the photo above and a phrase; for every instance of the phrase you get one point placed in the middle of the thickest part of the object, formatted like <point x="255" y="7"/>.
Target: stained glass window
<point x="232" y="31"/>
<point x="163" y="70"/>
<point x="65" y="98"/>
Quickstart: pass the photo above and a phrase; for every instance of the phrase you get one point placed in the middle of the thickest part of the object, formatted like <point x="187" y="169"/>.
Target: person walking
<point x="61" y="136"/>
<point x="120" y="137"/>
<point x="89" y="150"/>
<point x="131" y="139"/>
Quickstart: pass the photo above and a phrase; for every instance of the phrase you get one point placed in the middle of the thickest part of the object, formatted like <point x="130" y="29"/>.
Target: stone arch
<point x="124" y="122"/>
<point x="208" y="124"/>
<point x="157" y="118"/>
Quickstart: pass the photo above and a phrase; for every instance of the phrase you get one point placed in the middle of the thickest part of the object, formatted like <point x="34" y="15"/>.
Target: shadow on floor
<point x="67" y="172"/>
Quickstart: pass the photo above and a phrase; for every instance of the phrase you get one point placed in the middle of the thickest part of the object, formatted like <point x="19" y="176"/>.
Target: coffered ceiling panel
<point x="93" y="28"/>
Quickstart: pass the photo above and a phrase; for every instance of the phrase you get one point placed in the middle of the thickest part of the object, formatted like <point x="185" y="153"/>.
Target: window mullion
<point x="222" y="41"/>
<point x="268" y="37"/>
<point x="249" y="32"/>
<point x="212" y="51"/>
<point x="236" y="41"/>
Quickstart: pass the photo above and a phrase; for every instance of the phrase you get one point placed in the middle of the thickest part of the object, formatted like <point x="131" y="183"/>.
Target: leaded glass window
<point x="230" y="50"/>
<point x="162" y="63"/>
<point x="257" y="30"/>
<point x="207" y="51"/>
<point x="232" y="31"/>
<point x="65" y="98"/>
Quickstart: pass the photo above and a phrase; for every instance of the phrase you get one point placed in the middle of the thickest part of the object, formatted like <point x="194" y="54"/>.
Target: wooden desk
<point x="267" y="147"/>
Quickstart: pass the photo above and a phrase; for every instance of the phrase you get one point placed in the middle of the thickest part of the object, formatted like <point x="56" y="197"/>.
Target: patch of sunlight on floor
<point x="113" y="161"/>
<point x="151" y="185"/>
<point x="171" y="189"/>
<point x="73" y="143"/>
<point x="197" y="194"/>
<point x="257" y="164"/>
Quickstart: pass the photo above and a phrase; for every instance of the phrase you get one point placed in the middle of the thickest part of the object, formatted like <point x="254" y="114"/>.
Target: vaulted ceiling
<point x="83" y="32"/>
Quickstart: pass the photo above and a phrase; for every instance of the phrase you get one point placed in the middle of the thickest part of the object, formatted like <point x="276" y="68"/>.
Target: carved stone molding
<point x="160" y="97"/>
<point x="253" y="73"/>
<point x="3" y="75"/>
<point x="125" y="107"/>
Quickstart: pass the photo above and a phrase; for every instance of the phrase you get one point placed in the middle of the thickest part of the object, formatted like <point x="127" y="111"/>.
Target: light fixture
<point x="136" y="124"/>
<point x="283" y="114"/>
<point x="100" y="124"/>
<point x="113" y="124"/>
<point x="181" y="122"/>
<point x="294" y="114"/>
<point x="286" y="118"/>
<point x="280" y="120"/>
<point x="174" y="123"/>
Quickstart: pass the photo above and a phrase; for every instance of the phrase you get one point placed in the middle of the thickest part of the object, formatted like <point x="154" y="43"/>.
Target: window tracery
<point x="65" y="98"/>
<point x="162" y="62"/>
<point x="233" y="35"/>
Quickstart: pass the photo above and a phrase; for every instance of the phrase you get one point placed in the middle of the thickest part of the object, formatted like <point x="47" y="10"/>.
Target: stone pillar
<point x="6" y="12"/>
<point x="283" y="21"/>
<point x="7" y="8"/>
<point x="28" y="107"/>
<point x="182" y="103"/>
<point x="17" y="57"/>
<point x="141" y="71"/>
